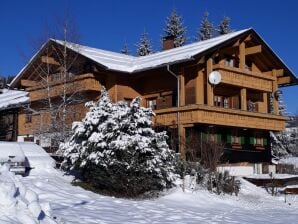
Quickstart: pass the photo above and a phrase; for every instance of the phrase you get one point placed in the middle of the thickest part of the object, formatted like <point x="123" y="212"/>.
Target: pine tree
<point x="175" y="28"/>
<point x="281" y="105"/>
<point x="116" y="150"/>
<point x="125" y="49"/>
<point x="224" y="26"/>
<point x="207" y="29"/>
<point x="144" y="46"/>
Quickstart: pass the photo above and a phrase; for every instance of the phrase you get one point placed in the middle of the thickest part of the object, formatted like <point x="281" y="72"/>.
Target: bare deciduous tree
<point x="55" y="73"/>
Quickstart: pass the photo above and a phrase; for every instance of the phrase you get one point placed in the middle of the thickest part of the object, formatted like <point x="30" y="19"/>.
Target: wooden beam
<point x="28" y="83"/>
<point x="265" y="100"/>
<point x="284" y="80"/>
<point x="49" y="60"/>
<point x="248" y="38"/>
<point x="236" y="44"/>
<point x="253" y="50"/>
<point x="200" y="88"/>
<point x="279" y="72"/>
<point x="210" y="94"/>
<point x="182" y="88"/>
<point x="243" y="99"/>
<point x="242" y="56"/>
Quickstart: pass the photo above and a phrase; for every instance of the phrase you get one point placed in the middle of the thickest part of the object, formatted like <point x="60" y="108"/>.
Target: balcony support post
<point x="242" y="55"/>
<point x="182" y="88"/>
<point x="243" y="95"/>
<point x="210" y="94"/>
<point x="200" y="87"/>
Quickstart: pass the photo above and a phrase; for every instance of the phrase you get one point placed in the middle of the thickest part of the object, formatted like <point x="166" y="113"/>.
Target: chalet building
<point x="11" y="102"/>
<point x="239" y="108"/>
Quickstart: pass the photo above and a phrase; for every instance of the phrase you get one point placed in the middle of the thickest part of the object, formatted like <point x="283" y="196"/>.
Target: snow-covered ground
<point x="290" y="160"/>
<point x="70" y="204"/>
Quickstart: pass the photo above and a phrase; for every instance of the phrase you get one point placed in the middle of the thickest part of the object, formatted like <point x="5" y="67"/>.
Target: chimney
<point x="168" y="42"/>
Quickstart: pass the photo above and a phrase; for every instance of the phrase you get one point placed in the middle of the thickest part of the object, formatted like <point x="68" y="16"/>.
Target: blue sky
<point x="107" y="24"/>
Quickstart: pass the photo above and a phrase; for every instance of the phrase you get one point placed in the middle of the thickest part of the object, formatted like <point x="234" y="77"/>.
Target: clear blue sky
<point x="107" y="24"/>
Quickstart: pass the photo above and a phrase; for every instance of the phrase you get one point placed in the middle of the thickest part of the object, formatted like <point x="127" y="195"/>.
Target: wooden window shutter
<point x="251" y="140"/>
<point x="265" y="141"/>
<point x="229" y="138"/>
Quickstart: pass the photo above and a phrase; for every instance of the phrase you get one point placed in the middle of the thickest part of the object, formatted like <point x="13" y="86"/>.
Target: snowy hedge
<point x="115" y="149"/>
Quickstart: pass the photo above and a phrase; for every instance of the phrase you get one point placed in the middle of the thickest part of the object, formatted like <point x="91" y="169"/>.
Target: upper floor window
<point x="229" y="61"/>
<point x="236" y="139"/>
<point x="28" y="117"/>
<point x="128" y="100"/>
<point x="56" y="76"/>
<point x="152" y="103"/>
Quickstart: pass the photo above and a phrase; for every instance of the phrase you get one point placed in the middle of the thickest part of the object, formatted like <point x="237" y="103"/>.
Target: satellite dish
<point x="214" y="77"/>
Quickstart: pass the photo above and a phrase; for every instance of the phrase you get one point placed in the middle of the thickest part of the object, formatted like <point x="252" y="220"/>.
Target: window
<point x="218" y="101"/>
<point x="28" y="139"/>
<point x="128" y="100"/>
<point x="56" y="76"/>
<point x="151" y="103"/>
<point x="236" y="139"/>
<point x="230" y="62"/>
<point x="28" y="117"/>
<point x="226" y="102"/>
<point x="259" y="139"/>
<point x="223" y="101"/>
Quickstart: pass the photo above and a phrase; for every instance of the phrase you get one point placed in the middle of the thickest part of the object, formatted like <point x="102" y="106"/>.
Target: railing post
<point x="243" y="95"/>
<point x="210" y="94"/>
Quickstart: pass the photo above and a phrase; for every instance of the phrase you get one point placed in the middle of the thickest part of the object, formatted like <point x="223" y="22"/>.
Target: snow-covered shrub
<point x="116" y="150"/>
<point x="184" y="168"/>
<point x="224" y="183"/>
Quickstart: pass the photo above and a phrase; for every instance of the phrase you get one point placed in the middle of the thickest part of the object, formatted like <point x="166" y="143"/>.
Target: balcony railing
<point x="219" y="116"/>
<point x="248" y="79"/>
<point x="85" y="82"/>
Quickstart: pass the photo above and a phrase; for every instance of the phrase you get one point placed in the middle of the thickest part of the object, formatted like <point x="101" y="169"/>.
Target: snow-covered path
<point x="75" y="205"/>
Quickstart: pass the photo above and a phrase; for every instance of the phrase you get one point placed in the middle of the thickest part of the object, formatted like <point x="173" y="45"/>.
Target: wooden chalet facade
<point x="240" y="111"/>
<point x="11" y="102"/>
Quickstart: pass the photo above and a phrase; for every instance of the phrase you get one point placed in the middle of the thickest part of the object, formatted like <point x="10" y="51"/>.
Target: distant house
<point x="237" y="105"/>
<point x="10" y="103"/>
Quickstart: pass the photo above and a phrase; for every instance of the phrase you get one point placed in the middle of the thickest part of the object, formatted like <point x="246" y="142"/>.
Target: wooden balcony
<point x="85" y="82"/>
<point x="219" y="116"/>
<point x="248" y="79"/>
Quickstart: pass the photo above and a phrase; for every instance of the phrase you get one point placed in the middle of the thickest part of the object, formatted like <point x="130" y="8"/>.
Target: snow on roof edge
<point x="130" y="64"/>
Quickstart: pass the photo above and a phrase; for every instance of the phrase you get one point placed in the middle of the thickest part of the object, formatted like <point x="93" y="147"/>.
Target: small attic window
<point x="230" y="61"/>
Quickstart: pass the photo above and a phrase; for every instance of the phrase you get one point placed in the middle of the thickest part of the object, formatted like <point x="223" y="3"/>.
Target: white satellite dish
<point x="214" y="77"/>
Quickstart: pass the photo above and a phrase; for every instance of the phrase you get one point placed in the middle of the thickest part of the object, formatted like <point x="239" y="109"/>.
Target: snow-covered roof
<point x="129" y="64"/>
<point x="13" y="98"/>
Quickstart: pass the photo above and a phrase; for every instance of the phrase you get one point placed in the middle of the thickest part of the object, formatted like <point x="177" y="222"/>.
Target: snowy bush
<point x="116" y="150"/>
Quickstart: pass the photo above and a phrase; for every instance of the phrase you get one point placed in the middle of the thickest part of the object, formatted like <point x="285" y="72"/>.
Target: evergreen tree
<point x="175" y="28"/>
<point x="224" y="26"/>
<point x="125" y="49"/>
<point x="207" y="29"/>
<point x="116" y="150"/>
<point x="281" y="105"/>
<point x="144" y="46"/>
